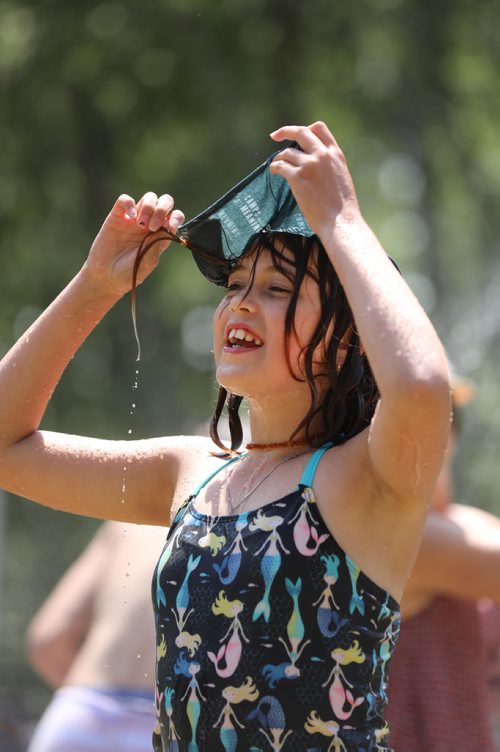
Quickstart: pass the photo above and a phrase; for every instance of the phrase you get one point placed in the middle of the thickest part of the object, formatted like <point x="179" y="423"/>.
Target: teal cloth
<point x="261" y="202"/>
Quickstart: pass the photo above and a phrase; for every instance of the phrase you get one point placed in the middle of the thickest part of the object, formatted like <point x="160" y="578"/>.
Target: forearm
<point x="402" y="346"/>
<point x="31" y="370"/>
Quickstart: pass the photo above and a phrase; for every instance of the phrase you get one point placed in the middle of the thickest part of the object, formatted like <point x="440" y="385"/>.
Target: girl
<point x="282" y="571"/>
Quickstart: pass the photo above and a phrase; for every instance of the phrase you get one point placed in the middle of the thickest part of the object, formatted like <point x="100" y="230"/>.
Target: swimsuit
<point x="93" y="719"/>
<point x="269" y="637"/>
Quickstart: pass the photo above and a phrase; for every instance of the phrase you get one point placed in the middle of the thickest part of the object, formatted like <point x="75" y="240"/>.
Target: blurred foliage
<point x="103" y="97"/>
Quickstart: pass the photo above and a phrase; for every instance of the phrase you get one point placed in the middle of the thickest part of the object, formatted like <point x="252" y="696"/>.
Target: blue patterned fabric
<point x="269" y="637"/>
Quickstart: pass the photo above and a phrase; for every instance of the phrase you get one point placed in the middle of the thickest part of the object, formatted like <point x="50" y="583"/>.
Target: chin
<point x="231" y="382"/>
<point x="243" y="385"/>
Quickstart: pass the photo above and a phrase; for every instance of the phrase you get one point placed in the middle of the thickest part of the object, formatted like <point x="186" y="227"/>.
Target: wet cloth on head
<point x="261" y="202"/>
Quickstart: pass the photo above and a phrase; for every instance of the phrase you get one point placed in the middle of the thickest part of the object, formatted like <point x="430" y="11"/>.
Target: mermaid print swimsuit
<point x="269" y="637"/>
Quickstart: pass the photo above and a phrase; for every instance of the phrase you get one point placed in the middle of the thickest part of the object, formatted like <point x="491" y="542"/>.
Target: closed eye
<point x="277" y="288"/>
<point x="232" y="286"/>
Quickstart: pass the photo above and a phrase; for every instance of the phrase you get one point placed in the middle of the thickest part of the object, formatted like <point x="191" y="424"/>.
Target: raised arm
<point x="408" y="434"/>
<point x="82" y="475"/>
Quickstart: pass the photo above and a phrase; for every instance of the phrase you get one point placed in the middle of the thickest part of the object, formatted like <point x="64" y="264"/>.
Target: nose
<point x="243" y="300"/>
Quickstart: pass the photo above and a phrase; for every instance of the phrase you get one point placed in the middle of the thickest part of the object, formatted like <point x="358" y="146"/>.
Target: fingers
<point x="322" y="131"/>
<point x="308" y="137"/>
<point x="292" y="156"/>
<point x="153" y="211"/>
<point x="124" y="204"/>
<point x="174" y="221"/>
<point x="150" y="213"/>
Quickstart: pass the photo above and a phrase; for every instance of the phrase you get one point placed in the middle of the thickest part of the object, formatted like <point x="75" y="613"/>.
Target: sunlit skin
<point x="277" y="401"/>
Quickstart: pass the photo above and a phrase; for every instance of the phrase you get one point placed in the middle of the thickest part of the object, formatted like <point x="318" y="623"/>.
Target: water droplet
<point x="138" y="655"/>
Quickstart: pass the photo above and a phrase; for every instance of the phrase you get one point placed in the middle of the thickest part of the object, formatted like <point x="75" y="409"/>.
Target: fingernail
<point x="132" y="212"/>
<point x="175" y="223"/>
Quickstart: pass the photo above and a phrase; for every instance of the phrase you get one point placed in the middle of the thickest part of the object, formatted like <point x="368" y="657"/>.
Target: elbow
<point x="43" y="657"/>
<point x="425" y="392"/>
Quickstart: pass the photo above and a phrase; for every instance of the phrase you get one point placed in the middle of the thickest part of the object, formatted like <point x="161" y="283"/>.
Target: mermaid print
<point x="212" y="541"/>
<point x="165" y="556"/>
<point x="341" y="699"/>
<point x="190" y="669"/>
<point x="328" y="615"/>
<point x="181" y="613"/>
<point x="315" y="725"/>
<point x="356" y="602"/>
<point x="234" y="695"/>
<point x="228" y="570"/>
<point x="172" y="733"/>
<point x="271" y="719"/>
<point x="271" y="560"/>
<point x="305" y="535"/>
<point x="296" y="642"/>
<point x="227" y="659"/>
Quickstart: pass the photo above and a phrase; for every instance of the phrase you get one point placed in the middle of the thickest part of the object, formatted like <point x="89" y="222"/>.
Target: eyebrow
<point x="267" y="269"/>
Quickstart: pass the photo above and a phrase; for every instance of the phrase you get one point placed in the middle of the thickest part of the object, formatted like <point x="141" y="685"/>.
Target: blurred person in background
<point x="490" y="617"/>
<point x="438" y="693"/>
<point x="93" y="642"/>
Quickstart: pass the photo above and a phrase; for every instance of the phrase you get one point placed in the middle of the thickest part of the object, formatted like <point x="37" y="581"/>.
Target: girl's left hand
<point x="318" y="175"/>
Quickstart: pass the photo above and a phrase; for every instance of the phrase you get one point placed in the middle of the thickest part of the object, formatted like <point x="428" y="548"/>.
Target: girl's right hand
<point x="111" y="259"/>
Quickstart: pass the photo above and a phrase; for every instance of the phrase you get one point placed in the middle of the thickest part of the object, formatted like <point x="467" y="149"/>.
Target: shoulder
<point x="195" y="458"/>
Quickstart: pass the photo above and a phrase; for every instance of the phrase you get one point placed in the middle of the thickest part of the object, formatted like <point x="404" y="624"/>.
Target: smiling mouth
<point x="241" y="338"/>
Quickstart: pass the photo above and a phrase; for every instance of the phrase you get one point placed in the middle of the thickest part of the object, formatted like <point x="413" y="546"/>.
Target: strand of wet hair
<point x="148" y="242"/>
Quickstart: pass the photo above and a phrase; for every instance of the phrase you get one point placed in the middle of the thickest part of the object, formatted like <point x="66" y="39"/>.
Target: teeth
<point x="240" y="335"/>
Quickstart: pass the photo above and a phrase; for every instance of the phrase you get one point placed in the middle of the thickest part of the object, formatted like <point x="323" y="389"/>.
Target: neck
<point x="273" y="424"/>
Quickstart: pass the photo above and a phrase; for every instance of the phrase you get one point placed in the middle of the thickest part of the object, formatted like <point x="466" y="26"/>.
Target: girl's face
<point x="249" y="328"/>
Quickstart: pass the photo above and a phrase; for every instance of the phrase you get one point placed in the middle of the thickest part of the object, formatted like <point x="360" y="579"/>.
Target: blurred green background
<point x="99" y="98"/>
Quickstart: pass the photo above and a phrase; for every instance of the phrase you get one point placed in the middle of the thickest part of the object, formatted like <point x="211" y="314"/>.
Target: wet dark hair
<point x="348" y="404"/>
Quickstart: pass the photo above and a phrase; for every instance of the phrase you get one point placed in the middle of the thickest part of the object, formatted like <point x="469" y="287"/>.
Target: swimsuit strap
<point x="307" y="475"/>
<point x="212" y="475"/>
<point x="310" y="468"/>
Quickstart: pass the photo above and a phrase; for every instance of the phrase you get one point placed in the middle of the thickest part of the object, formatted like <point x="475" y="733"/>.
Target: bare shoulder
<point x="196" y="457"/>
<point x="378" y="530"/>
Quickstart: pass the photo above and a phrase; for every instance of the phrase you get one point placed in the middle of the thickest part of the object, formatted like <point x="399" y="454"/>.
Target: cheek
<point x="218" y="327"/>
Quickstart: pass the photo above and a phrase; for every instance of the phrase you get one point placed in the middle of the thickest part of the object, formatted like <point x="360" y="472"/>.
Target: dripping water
<point x="133" y="406"/>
